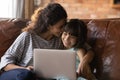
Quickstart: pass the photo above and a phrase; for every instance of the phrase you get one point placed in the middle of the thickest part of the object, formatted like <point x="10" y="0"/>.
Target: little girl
<point x="74" y="37"/>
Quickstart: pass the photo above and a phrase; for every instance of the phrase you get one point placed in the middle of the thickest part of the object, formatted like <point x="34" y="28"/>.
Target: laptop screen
<point x="53" y="64"/>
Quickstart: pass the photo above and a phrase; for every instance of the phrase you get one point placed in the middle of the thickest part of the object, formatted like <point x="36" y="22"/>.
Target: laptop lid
<point x="51" y="63"/>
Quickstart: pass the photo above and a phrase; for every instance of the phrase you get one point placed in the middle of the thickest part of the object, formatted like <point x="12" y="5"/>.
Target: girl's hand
<point x="83" y="69"/>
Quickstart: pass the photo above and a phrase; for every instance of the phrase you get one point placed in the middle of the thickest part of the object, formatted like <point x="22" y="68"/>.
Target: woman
<point x="42" y="32"/>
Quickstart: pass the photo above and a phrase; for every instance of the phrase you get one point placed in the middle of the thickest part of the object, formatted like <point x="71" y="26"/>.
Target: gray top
<point x="21" y="51"/>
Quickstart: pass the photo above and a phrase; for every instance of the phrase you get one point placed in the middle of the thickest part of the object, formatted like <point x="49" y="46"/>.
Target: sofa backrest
<point x="104" y="37"/>
<point x="9" y="30"/>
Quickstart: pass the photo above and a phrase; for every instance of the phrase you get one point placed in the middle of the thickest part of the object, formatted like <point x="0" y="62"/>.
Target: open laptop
<point x="54" y="64"/>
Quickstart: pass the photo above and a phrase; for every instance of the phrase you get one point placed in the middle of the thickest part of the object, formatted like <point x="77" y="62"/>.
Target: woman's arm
<point x="13" y="66"/>
<point x="14" y="55"/>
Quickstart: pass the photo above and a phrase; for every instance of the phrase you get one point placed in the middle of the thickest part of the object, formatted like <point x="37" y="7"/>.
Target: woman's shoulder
<point x="24" y="35"/>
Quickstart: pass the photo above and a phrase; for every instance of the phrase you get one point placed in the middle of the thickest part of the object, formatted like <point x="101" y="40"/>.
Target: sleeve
<point x="14" y="53"/>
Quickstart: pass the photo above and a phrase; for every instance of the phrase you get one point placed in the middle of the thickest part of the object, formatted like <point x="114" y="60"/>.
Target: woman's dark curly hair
<point x="43" y="18"/>
<point x="78" y="29"/>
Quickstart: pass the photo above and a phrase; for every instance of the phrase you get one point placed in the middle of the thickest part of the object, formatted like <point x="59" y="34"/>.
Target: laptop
<point x="55" y="64"/>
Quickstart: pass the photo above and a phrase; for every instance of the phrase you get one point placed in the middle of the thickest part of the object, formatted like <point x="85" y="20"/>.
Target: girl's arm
<point x="85" y="58"/>
<point x="81" y="54"/>
<point x="88" y="56"/>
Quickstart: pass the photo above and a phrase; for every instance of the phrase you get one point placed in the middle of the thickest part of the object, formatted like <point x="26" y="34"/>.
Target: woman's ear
<point x="49" y="27"/>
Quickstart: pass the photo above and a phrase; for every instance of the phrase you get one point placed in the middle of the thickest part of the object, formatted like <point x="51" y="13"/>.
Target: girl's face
<point x="68" y="40"/>
<point x="57" y="28"/>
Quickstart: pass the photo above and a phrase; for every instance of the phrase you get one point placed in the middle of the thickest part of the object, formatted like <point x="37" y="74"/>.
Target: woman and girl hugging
<point x="48" y="29"/>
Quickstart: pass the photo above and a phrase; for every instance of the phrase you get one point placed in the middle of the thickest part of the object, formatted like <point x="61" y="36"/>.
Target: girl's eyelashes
<point x="70" y="35"/>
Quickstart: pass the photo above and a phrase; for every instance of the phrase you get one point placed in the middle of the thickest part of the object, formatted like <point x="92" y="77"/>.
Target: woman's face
<point x="57" y="28"/>
<point x="68" y="40"/>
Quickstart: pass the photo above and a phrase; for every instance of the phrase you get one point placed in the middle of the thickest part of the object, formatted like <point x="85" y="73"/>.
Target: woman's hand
<point x="13" y="66"/>
<point x="29" y="68"/>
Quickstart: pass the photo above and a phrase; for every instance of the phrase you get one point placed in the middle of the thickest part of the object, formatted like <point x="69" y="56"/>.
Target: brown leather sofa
<point x="103" y="36"/>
